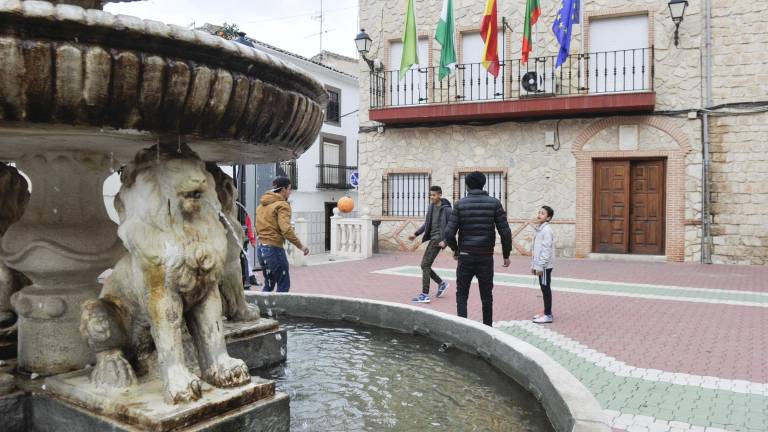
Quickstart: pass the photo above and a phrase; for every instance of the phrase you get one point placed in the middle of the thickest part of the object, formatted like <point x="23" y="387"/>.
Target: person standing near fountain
<point x="474" y="218"/>
<point x="433" y="230"/>
<point x="273" y="227"/>
<point x="542" y="260"/>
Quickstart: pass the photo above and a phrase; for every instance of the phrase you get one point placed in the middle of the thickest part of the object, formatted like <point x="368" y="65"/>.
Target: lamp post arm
<point x="369" y="62"/>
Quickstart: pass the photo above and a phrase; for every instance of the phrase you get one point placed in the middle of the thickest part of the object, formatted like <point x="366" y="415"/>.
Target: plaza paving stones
<point x="663" y="346"/>
<point x="637" y="398"/>
<point x="621" y="289"/>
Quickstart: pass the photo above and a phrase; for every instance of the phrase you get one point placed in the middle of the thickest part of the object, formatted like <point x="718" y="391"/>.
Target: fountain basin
<point x="84" y="79"/>
<point x="69" y="401"/>
<point x="568" y="404"/>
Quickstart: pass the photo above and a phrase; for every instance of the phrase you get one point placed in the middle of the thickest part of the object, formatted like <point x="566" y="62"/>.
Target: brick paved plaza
<point x="664" y="347"/>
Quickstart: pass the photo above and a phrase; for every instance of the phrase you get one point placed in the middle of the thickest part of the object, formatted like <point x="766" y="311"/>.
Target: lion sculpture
<point x="167" y="283"/>
<point x="14" y="197"/>
<point x="232" y="294"/>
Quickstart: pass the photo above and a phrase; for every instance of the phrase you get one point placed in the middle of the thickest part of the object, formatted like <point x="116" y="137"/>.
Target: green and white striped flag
<point x="445" y="36"/>
<point x="410" y="42"/>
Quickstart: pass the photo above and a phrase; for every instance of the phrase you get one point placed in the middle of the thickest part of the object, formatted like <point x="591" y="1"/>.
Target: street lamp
<point x="363" y="42"/>
<point x="677" y="11"/>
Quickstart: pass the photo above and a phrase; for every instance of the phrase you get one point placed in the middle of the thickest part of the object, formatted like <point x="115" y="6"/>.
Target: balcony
<point x="585" y="84"/>
<point x="288" y="169"/>
<point x="334" y="176"/>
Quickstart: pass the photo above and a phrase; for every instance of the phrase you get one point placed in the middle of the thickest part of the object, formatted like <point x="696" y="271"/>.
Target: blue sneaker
<point x="421" y="298"/>
<point x="441" y="289"/>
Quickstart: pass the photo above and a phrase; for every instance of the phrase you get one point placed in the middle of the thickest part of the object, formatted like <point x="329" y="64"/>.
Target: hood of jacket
<point x="270" y="198"/>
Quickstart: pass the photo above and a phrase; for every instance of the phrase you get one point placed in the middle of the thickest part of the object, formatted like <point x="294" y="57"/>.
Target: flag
<point x="532" y="12"/>
<point x="563" y="26"/>
<point x="445" y="36"/>
<point x="410" y="42"/>
<point x="490" y="33"/>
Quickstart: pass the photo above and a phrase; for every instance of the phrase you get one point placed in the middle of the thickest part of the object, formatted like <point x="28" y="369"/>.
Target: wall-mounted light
<point x="677" y="12"/>
<point x="363" y="42"/>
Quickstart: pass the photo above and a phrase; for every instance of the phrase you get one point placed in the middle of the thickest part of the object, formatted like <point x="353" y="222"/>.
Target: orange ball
<point x="345" y="204"/>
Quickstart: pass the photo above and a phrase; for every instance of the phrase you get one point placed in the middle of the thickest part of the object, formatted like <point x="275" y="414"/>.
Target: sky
<point x="288" y="24"/>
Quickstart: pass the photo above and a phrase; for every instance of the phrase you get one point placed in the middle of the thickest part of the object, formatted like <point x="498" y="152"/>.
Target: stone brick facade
<point x="562" y="178"/>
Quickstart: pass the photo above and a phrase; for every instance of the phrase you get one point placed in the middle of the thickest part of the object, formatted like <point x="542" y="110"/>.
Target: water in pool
<point x="348" y="377"/>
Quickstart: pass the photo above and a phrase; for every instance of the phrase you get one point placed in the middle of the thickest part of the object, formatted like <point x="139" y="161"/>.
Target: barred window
<point x="495" y="184"/>
<point x="405" y="194"/>
<point x="333" y="111"/>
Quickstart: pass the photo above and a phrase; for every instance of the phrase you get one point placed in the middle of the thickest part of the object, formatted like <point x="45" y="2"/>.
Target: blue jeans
<point x="274" y="265"/>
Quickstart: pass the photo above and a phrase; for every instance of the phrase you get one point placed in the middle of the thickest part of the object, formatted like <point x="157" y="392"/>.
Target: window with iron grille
<point x="333" y="110"/>
<point x="288" y="169"/>
<point x="495" y="184"/>
<point x="405" y="194"/>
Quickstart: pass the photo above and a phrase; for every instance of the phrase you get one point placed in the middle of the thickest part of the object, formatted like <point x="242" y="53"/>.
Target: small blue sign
<point x="354" y="179"/>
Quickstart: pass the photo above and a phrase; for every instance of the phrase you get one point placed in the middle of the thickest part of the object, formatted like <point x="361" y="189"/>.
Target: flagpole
<point x="503" y="55"/>
<point x="536" y="38"/>
<point x="581" y="23"/>
<point x="582" y="84"/>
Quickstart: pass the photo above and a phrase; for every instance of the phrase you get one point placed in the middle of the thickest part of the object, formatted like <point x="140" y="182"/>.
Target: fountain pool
<point x="344" y="376"/>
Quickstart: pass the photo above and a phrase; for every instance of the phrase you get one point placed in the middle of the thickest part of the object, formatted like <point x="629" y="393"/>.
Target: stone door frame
<point x="674" y="233"/>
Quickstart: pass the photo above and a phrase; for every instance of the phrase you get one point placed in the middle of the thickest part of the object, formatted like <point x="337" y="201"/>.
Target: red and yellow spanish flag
<point x="490" y="33"/>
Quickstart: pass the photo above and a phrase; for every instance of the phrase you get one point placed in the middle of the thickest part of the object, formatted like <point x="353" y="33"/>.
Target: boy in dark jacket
<point x="433" y="230"/>
<point x="474" y="217"/>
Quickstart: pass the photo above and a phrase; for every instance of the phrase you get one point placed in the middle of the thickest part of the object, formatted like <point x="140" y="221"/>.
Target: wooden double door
<point x="629" y="206"/>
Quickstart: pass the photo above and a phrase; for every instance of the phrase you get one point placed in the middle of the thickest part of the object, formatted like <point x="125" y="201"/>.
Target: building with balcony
<point x="641" y="145"/>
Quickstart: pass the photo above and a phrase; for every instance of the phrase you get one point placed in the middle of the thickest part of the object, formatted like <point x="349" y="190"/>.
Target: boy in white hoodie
<point x="542" y="263"/>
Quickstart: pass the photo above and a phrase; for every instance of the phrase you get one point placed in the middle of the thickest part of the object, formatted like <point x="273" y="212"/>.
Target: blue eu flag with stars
<point x="564" y="21"/>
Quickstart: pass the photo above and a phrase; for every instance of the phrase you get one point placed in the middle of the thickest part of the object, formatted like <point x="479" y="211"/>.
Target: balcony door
<point x="619" y="58"/>
<point x="478" y="84"/>
<point x="332" y="161"/>
<point x="629" y="206"/>
<point x="412" y="88"/>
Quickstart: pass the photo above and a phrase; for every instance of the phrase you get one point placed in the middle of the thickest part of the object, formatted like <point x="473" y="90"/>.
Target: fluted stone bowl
<point x="84" y="79"/>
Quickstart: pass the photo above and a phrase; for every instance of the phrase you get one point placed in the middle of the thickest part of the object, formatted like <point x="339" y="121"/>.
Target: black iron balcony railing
<point x="622" y="71"/>
<point x="334" y="176"/>
<point x="288" y="169"/>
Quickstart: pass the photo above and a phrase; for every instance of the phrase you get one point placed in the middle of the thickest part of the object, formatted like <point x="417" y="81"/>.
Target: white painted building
<point x="322" y="173"/>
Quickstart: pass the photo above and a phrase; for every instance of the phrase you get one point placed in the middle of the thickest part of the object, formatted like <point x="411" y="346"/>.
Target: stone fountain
<point x="83" y="93"/>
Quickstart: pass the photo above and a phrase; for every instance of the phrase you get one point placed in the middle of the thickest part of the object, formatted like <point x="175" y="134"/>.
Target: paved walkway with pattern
<point x="663" y="347"/>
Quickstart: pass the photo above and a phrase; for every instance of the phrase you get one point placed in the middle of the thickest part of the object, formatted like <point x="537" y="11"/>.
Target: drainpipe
<point x="706" y="238"/>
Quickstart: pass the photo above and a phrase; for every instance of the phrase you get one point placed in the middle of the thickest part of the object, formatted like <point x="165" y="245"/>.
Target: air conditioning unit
<point x="538" y="80"/>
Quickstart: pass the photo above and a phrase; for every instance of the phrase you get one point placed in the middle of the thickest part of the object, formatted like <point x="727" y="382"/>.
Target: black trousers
<point x="470" y="266"/>
<point x="545" y="281"/>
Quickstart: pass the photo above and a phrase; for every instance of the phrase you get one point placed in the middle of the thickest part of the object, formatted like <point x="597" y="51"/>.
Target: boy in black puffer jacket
<point x="476" y="217"/>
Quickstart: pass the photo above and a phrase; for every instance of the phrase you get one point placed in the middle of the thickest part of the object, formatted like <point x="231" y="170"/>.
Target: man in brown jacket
<point x="273" y="226"/>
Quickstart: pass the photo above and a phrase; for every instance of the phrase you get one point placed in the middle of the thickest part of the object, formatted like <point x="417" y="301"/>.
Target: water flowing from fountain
<point x="230" y="228"/>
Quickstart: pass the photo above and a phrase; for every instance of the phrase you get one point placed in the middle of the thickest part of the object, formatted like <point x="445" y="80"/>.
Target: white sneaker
<point x="542" y="319"/>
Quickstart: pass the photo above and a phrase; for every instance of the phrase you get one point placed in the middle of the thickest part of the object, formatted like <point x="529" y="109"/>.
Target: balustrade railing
<point x="620" y="71"/>
<point x="351" y="237"/>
